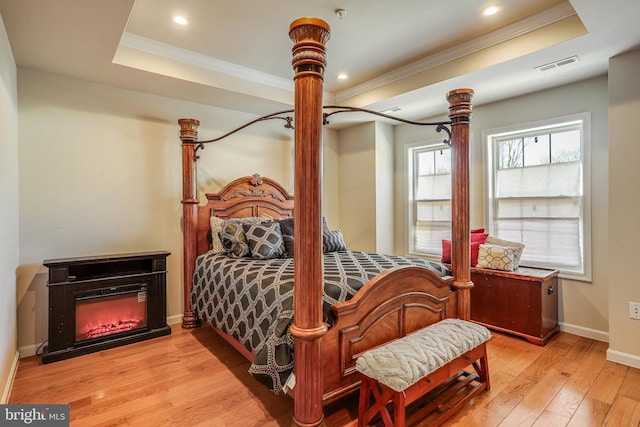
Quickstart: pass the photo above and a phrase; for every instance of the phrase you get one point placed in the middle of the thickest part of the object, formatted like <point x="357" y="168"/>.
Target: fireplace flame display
<point x="103" y="316"/>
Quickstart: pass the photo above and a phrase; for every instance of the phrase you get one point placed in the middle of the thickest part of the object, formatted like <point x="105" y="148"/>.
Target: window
<point x="539" y="193"/>
<point x="429" y="177"/>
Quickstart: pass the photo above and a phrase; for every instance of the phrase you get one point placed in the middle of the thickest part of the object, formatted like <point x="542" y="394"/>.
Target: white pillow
<point x="517" y="246"/>
<point x="497" y="257"/>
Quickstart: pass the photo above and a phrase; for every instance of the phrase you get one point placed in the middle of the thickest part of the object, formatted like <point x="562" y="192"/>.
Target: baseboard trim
<point x="12" y="375"/>
<point x="623" y="358"/>
<point x="29" y="350"/>
<point x="581" y="331"/>
<point x="172" y="320"/>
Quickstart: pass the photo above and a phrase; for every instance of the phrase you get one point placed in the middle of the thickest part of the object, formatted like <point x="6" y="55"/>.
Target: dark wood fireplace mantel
<point x="86" y="286"/>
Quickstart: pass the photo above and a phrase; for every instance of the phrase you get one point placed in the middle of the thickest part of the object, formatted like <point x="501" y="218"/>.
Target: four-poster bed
<point x="400" y="300"/>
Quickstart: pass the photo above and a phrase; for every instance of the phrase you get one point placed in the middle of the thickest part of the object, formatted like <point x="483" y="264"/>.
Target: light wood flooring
<point x="194" y="378"/>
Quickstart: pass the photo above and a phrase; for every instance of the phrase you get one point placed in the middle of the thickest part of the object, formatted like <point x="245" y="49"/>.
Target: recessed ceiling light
<point x="180" y="20"/>
<point x="343" y="76"/>
<point x="491" y="10"/>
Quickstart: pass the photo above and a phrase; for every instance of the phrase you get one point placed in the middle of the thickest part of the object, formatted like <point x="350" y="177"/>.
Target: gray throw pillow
<point x="234" y="240"/>
<point x="265" y="240"/>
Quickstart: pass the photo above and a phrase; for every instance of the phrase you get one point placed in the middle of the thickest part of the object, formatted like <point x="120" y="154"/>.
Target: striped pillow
<point x="333" y="241"/>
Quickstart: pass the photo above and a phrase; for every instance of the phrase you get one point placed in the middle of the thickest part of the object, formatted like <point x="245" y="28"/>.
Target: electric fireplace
<point x="96" y="303"/>
<point x="112" y="311"/>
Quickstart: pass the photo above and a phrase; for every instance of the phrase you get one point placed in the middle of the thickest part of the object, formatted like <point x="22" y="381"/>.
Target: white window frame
<point x="409" y="161"/>
<point x="489" y="136"/>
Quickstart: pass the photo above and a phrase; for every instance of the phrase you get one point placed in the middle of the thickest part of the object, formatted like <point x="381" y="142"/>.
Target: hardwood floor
<point x="194" y="378"/>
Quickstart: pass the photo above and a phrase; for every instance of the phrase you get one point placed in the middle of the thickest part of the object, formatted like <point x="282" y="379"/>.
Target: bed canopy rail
<point x="285" y="115"/>
<point x="460" y="107"/>
<point x="309" y="36"/>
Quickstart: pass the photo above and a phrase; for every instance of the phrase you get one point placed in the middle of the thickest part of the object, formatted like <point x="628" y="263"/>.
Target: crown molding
<point x="509" y="32"/>
<point x="154" y="47"/>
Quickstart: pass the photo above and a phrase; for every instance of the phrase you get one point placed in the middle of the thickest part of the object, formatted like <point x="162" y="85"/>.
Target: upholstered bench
<point x="405" y="369"/>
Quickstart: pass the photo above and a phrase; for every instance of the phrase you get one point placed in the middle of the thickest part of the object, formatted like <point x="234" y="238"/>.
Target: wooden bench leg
<point x="367" y="409"/>
<point x="399" y="409"/>
<point x="363" y="405"/>
<point x="482" y="367"/>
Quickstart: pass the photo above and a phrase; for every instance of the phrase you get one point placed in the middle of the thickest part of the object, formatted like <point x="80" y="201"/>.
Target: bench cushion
<point x="403" y="362"/>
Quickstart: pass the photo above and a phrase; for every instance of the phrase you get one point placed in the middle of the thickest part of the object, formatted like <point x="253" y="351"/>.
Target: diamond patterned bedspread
<point x="252" y="300"/>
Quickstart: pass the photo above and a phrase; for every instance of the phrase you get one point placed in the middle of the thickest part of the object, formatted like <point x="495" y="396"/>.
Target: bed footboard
<point x="391" y="305"/>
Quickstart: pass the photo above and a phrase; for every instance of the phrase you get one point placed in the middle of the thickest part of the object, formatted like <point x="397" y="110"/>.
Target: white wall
<point x="384" y="188"/>
<point x="330" y="177"/>
<point x="584" y="307"/>
<point x="366" y="186"/>
<point x="357" y="162"/>
<point x="8" y="214"/>
<point x="100" y="173"/>
<point x="624" y="205"/>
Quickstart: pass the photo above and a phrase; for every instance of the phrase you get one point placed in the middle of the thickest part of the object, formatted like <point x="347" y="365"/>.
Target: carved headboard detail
<point x="247" y="196"/>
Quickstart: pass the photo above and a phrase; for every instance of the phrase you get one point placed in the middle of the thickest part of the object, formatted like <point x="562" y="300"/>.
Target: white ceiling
<point x="237" y="54"/>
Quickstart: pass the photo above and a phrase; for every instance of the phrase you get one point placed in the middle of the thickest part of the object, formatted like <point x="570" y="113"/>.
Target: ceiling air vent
<point x="391" y="110"/>
<point x="556" y="64"/>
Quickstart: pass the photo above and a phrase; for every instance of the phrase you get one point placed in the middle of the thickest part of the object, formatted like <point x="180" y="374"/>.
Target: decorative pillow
<point x="246" y="220"/>
<point x="265" y="240"/>
<point x="446" y="252"/>
<point x="217" y="224"/>
<point x="333" y="241"/>
<point x="288" y="244"/>
<point x="234" y="241"/>
<point x="497" y="257"/>
<point x="478" y="236"/>
<point x="325" y="226"/>
<point x="286" y="226"/>
<point x="267" y="217"/>
<point x="517" y="246"/>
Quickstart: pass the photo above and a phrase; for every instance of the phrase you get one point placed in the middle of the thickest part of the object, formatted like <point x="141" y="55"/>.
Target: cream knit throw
<point x="403" y="362"/>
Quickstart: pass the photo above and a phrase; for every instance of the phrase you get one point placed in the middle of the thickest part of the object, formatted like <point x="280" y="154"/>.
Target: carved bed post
<point x="309" y="36"/>
<point x="460" y="116"/>
<point x="189" y="138"/>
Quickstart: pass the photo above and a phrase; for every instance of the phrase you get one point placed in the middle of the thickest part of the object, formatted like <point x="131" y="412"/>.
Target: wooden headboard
<point x="247" y="196"/>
